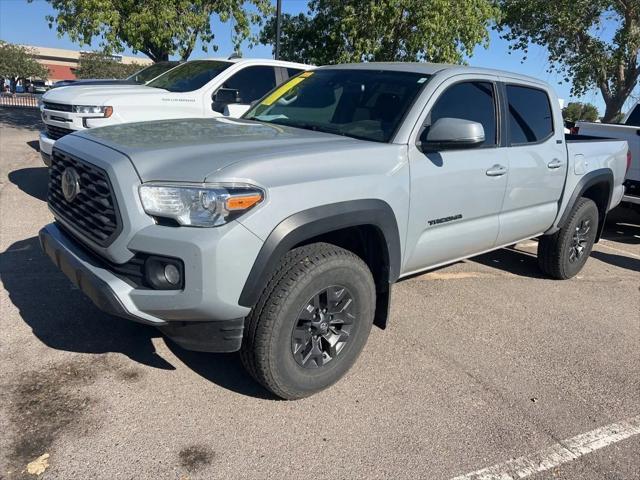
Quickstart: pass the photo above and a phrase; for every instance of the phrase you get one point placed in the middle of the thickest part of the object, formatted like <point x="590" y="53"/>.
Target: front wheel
<point x="311" y="321"/>
<point x="563" y="254"/>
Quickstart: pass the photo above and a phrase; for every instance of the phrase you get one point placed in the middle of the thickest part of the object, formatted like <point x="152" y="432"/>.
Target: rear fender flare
<point x="601" y="175"/>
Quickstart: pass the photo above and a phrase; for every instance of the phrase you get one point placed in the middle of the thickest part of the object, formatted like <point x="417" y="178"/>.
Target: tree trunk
<point x="157" y="55"/>
<point x="613" y="108"/>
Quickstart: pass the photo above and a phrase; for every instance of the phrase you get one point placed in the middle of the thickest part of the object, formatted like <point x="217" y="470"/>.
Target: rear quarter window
<point x="530" y="117"/>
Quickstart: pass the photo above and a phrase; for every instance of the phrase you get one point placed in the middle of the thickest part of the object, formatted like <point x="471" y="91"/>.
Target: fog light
<point x="172" y="274"/>
<point x="164" y="273"/>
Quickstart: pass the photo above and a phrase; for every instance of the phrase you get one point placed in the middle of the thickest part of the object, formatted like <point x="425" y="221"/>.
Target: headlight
<point x="93" y="110"/>
<point x="199" y="205"/>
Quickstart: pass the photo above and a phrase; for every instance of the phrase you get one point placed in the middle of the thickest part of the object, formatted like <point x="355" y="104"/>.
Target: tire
<point x="288" y="363"/>
<point x="563" y="254"/>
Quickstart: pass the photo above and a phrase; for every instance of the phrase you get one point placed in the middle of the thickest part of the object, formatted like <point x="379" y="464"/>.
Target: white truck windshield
<point x="190" y="76"/>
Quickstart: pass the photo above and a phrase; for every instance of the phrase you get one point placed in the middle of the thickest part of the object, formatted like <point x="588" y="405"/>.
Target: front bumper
<point x="94" y="281"/>
<point x="200" y="317"/>
<point x="46" y="148"/>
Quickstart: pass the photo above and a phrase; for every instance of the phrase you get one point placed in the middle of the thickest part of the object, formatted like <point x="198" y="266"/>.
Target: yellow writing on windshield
<point x="284" y="88"/>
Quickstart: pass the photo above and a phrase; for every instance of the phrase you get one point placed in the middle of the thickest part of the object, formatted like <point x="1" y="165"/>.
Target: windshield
<point x="365" y="104"/>
<point x="190" y="76"/>
<point x="151" y="72"/>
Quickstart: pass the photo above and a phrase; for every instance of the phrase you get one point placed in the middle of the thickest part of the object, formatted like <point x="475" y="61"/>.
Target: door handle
<point x="555" y="163"/>
<point x="496" y="171"/>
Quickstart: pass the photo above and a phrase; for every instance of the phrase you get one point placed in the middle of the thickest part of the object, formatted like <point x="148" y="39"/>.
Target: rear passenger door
<point x="456" y="195"/>
<point x="537" y="159"/>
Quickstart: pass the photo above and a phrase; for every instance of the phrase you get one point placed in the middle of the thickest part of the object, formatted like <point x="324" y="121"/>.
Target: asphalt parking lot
<point x="484" y="362"/>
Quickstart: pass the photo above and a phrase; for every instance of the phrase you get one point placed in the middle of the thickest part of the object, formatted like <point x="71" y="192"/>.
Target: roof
<point x="261" y="61"/>
<point x="429" y="69"/>
<point x="62" y="54"/>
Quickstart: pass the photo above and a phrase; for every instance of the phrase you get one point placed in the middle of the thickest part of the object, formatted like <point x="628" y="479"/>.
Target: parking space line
<point x="616" y="249"/>
<point x="562" y="452"/>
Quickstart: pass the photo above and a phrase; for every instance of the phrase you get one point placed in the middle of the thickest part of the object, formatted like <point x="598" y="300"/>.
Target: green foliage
<point x="339" y="31"/>
<point x="594" y="43"/>
<point x="18" y="62"/>
<point x="99" y="65"/>
<point x="157" y="28"/>
<point x="576" y="112"/>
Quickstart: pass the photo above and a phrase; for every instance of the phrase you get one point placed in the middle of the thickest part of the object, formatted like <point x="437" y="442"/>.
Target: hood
<point x="190" y="150"/>
<point x="93" y="82"/>
<point x="99" y="94"/>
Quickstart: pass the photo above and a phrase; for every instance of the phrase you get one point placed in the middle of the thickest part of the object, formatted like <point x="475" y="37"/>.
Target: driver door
<point x="456" y="194"/>
<point x="251" y="83"/>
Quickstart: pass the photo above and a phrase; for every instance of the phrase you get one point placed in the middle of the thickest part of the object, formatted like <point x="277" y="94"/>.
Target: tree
<point x="337" y="31"/>
<point x="580" y="112"/>
<point x="157" y="28"/>
<point x="99" y="65"/>
<point x="18" y="62"/>
<point x="594" y="43"/>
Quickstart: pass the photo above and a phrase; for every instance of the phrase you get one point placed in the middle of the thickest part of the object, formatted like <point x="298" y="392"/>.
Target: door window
<point x="252" y="83"/>
<point x="474" y="101"/>
<point x="292" y="72"/>
<point x="529" y="117"/>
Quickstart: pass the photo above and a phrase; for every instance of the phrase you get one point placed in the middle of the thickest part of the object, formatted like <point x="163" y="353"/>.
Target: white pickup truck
<point x="628" y="130"/>
<point x="199" y="88"/>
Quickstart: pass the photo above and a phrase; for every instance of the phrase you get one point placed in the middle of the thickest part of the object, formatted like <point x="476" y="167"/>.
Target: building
<point x="62" y="63"/>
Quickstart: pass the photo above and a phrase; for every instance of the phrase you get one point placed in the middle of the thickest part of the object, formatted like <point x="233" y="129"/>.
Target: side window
<point x="529" y="117"/>
<point x="634" y="117"/>
<point x="292" y="72"/>
<point x="474" y="101"/>
<point x="252" y="83"/>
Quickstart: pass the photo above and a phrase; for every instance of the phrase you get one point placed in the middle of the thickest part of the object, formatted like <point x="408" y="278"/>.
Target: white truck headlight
<point x="102" y="111"/>
<point x="199" y="205"/>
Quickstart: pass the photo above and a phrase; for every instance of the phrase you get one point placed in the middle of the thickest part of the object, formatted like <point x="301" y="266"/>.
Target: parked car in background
<point x="38" y="87"/>
<point x="628" y="130"/>
<point x="139" y="78"/>
<point x="199" y="88"/>
<point x="280" y="234"/>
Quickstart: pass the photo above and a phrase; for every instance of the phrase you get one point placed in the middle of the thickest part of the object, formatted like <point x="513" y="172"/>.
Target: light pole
<point x="278" y="18"/>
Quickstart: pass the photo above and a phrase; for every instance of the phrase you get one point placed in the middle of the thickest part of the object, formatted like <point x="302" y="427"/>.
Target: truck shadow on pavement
<point x="24" y="118"/>
<point x="223" y="369"/>
<point x="623" y="226"/>
<point x="512" y="260"/>
<point x="33" y="181"/>
<point x="61" y="317"/>
<point x="619" y="261"/>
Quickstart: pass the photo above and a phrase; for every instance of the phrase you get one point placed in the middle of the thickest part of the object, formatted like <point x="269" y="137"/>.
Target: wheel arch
<point x="596" y="185"/>
<point x="372" y="220"/>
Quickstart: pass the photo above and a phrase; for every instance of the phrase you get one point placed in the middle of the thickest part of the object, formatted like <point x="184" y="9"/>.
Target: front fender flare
<point x="310" y="223"/>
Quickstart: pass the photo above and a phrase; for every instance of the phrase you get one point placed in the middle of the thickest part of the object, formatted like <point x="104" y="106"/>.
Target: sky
<point x="23" y="22"/>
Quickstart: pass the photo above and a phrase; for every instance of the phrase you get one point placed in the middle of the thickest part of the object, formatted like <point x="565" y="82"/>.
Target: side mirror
<point x="226" y="96"/>
<point x="451" y="133"/>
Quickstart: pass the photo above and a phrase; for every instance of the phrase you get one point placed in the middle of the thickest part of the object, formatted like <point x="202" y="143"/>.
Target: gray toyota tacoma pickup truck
<point x="280" y="234"/>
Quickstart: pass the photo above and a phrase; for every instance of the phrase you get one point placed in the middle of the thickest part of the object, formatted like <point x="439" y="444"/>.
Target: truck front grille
<point x="55" y="133"/>
<point x="61" y="107"/>
<point x="93" y="212"/>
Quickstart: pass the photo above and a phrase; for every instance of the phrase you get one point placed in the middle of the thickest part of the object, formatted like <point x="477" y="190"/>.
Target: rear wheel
<point x="563" y="254"/>
<point x="311" y="321"/>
